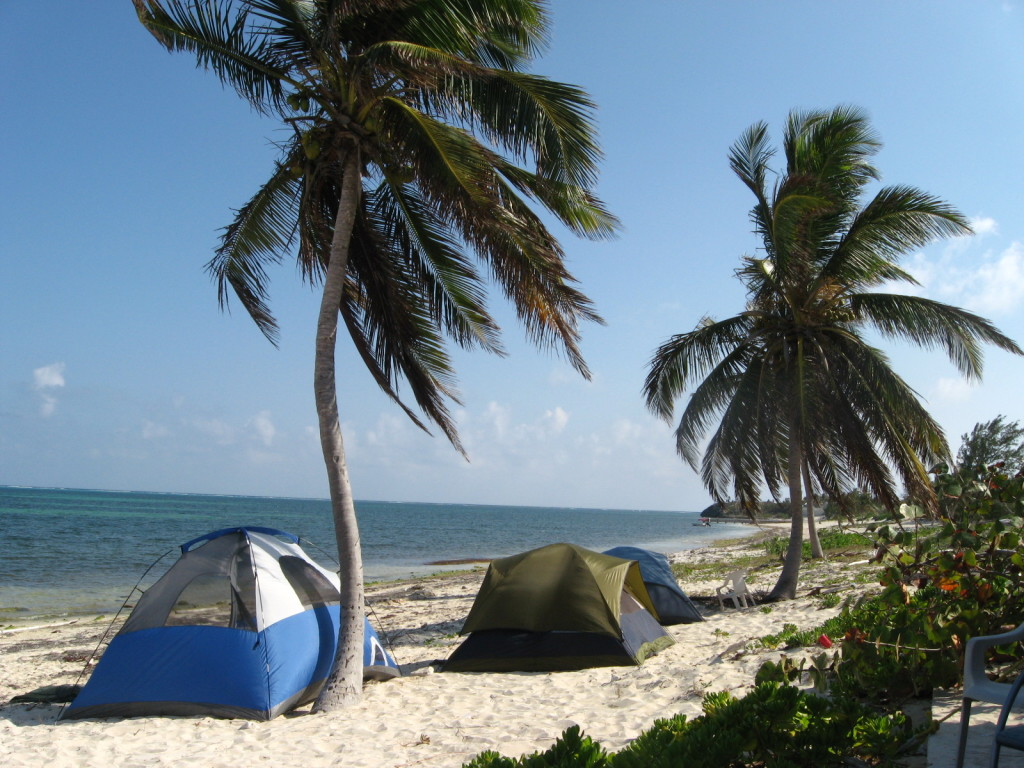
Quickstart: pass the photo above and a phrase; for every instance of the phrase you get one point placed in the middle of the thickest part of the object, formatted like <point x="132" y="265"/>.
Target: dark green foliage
<point x="957" y="578"/>
<point x="774" y="725"/>
<point x="990" y="442"/>
<point x="785" y="671"/>
<point x="491" y="759"/>
<point x="759" y="510"/>
<point x="572" y="750"/>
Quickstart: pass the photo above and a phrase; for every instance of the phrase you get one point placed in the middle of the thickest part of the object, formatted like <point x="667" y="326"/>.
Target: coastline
<point x="426" y="718"/>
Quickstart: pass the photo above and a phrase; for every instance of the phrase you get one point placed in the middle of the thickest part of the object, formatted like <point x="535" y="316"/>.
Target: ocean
<point x="67" y="552"/>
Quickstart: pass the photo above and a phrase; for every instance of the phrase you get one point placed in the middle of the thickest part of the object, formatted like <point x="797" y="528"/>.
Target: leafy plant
<point x="773" y="725"/>
<point x="955" y="578"/>
<point x="572" y="750"/>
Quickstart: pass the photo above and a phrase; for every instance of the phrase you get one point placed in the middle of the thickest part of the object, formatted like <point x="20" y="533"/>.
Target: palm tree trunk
<point x="812" y="528"/>
<point x="785" y="587"/>
<point x="344" y="686"/>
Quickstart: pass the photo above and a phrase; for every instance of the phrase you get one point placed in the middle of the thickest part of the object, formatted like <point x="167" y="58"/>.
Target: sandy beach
<point x="428" y="718"/>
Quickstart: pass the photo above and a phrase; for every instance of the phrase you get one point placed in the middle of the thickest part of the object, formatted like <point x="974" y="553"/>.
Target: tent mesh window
<point x="207" y="600"/>
<point x="311" y="587"/>
<point x="218" y="599"/>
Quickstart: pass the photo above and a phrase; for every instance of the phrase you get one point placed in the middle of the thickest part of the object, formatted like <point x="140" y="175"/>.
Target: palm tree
<point x="416" y="146"/>
<point x="791" y="380"/>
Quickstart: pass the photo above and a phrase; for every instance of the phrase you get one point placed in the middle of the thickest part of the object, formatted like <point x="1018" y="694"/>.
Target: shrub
<point x="958" y="577"/>
<point x="776" y="725"/>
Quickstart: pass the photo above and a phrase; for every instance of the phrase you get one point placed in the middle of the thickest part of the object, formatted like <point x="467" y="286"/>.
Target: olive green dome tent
<point x="556" y="608"/>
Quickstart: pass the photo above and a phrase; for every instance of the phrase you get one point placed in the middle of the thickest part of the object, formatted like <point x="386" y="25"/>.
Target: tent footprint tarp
<point x="560" y="607"/>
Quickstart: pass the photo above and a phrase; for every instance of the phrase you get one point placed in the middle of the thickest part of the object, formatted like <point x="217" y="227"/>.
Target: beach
<point x="438" y="719"/>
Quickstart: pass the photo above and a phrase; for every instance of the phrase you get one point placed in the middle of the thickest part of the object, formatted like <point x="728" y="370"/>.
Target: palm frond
<point x="218" y="34"/>
<point x="688" y="356"/>
<point x="457" y="293"/>
<point x="932" y="324"/>
<point x="896" y="221"/>
<point x="262" y="230"/>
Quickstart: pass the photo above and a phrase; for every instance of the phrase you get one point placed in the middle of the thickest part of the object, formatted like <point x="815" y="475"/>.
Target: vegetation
<point x="417" y="147"/>
<point x="942" y="584"/>
<point x="832" y="540"/>
<point x="799" y="394"/>
<point x="991" y="442"/>
<point x="854" y="505"/>
<point x="774" y="724"/>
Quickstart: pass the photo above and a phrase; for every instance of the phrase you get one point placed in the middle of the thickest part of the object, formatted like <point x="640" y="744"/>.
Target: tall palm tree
<point x="791" y="381"/>
<point x="417" y="149"/>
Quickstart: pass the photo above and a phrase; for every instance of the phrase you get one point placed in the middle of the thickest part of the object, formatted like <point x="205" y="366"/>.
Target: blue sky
<point x="121" y="162"/>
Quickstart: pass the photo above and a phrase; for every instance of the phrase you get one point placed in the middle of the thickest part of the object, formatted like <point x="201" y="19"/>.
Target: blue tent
<point x="671" y="603"/>
<point x="244" y="624"/>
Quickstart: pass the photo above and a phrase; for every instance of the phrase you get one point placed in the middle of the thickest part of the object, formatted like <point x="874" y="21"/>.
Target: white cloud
<point x="48" y="377"/>
<point x="998" y="285"/>
<point x="990" y="283"/>
<point x="984" y="225"/>
<point x="556" y="419"/>
<point x="264" y="427"/>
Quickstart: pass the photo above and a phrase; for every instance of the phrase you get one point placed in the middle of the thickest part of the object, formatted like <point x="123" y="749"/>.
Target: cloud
<point x="998" y="285"/>
<point x="45" y="378"/>
<point x="49" y="376"/>
<point x="556" y="419"/>
<point x="991" y="283"/>
<point x="984" y="225"/>
<point x="264" y="427"/>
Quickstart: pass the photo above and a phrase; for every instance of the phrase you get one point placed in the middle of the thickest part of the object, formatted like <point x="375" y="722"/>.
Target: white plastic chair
<point x="977" y="685"/>
<point x="734" y="588"/>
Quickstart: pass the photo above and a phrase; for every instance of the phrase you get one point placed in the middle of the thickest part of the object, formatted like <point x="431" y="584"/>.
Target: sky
<point x="121" y="162"/>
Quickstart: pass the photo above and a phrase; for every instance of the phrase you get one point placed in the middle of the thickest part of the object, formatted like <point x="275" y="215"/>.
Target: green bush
<point x="960" y="576"/>
<point x="773" y="725"/>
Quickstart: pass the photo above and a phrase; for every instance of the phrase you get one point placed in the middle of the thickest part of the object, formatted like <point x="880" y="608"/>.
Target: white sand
<point x="422" y="719"/>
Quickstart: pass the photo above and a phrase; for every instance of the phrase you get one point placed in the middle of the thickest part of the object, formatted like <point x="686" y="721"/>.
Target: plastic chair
<point x="1014" y="737"/>
<point x="977" y="685"/>
<point x="735" y="589"/>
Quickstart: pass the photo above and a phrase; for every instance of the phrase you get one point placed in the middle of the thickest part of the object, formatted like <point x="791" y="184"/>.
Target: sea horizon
<point x="327" y="499"/>
<point x="78" y="551"/>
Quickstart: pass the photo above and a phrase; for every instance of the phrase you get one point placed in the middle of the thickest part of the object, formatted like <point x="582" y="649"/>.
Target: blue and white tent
<point x="671" y="603"/>
<point x="244" y="624"/>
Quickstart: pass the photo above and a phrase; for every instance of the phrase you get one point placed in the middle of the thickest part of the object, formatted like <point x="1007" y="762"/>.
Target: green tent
<point x="559" y="607"/>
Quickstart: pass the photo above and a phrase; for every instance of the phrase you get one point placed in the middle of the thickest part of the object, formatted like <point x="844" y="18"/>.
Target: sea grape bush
<point x="776" y="725"/>
<point x="943" y="581"/>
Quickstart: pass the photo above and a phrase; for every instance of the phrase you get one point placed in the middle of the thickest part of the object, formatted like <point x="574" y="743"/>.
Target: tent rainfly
<point x="244" y="624"/>
<point x="672" y="604"/>
<point x="559" y="607"/>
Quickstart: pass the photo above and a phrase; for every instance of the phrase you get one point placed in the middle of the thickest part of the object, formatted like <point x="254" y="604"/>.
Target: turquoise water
<point x="72" y="552"/>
